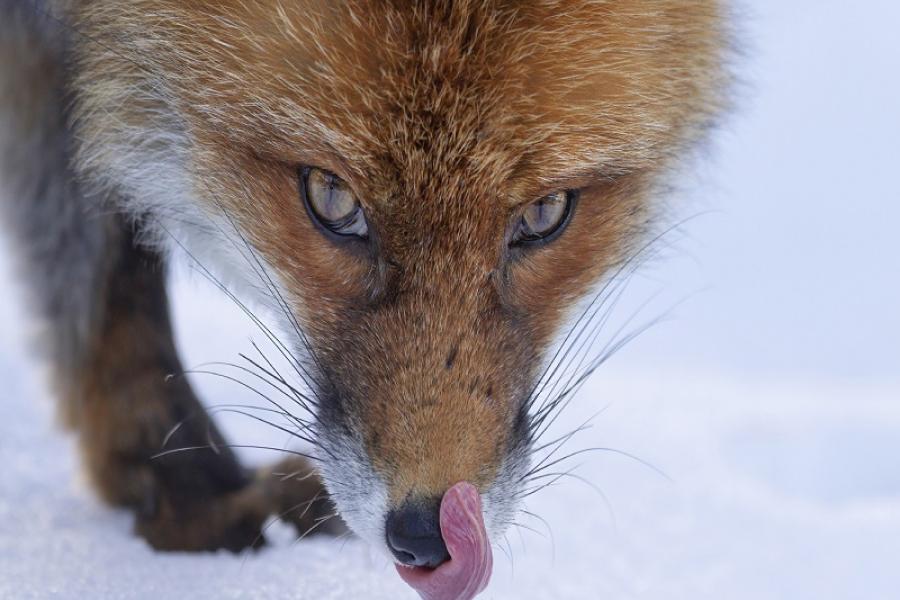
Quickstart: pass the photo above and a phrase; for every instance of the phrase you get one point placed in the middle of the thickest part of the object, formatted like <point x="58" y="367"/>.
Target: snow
<point x="771" y="402"/>
<point x="774" y="490"/>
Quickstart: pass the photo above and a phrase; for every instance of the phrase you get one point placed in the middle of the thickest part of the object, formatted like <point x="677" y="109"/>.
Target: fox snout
<point x="430" y="386"/>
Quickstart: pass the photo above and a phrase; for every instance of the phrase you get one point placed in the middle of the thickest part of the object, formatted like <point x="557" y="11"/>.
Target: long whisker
<point x="560" y="442"/>
<point x="295" y="397"/>
<point x="280" y="516"/>
<point x="611" y="290"/>
<point x="595" y="331"/>
<point x="291" y="433"/>
<point x="274" y="291"/>
<point x="549" y="413"/>
<point x="246" y="386"/>
<point x="316" y="525"/>
<point x="273" y="373"/>
<point x="206" y="273"/>
<point x="629" y="264"/>
<point x="214" y="448"/>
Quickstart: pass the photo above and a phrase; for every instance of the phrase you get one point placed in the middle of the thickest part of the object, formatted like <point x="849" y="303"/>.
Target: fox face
<point x="428" y="189"/>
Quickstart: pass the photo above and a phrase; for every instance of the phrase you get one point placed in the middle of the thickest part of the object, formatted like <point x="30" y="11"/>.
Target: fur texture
<point x="446" y="119"/>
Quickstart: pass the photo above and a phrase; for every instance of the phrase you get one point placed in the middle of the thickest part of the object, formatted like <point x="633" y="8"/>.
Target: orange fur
<point x="445" y="118"/>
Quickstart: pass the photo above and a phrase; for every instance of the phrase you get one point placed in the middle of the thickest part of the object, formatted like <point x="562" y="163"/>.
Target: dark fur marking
<point x="451" y="358"/>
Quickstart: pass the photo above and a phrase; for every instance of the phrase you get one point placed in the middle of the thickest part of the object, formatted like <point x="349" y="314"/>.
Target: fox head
<point x="430" y="187"/>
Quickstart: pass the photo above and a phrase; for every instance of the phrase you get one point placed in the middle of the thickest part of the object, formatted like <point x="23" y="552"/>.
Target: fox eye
<point x="331" y="203"/>
<point x="544" y="219"/>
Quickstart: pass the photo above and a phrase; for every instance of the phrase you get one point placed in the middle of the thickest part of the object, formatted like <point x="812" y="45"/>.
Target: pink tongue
<point x="468" y="571"/>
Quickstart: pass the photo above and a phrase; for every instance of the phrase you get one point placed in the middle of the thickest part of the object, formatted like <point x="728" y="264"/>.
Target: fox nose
<point x="414" y="533"/>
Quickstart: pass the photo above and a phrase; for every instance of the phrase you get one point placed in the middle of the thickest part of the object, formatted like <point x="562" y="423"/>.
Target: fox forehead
<point x="518" y="96"/>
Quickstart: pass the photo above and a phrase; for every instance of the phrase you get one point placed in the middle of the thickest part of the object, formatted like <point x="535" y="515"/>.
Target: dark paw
<point x="189" y="506"/>
<point x="199" y="499"/>
<point x="197" y="496"/>
<point x="189" y="492"/>
<point x="171" y="520"/>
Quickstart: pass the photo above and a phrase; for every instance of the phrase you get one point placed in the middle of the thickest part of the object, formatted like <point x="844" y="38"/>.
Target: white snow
<point x="777" y="490"/>
<point x="772" y="402"/>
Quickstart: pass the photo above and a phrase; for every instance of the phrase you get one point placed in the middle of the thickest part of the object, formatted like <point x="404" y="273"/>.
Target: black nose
<point x="414" y="533"/>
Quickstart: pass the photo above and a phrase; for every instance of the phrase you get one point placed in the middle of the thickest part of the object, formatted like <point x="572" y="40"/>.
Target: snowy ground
<point x="772" y="401"/>
<point x="778" y="491"/>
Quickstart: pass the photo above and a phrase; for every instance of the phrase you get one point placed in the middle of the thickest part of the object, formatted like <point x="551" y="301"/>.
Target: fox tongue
<point x="468" y="571"/>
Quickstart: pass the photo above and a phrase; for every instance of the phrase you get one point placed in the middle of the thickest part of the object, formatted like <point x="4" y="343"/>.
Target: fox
<point x="423" y="193"/>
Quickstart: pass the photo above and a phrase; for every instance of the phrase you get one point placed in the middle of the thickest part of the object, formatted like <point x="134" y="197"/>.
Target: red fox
<point x="422" y="191"/>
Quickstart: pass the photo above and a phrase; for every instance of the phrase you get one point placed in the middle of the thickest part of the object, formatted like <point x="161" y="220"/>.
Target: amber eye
<point x="544" y="218"/>
<point x="331" y="203"/>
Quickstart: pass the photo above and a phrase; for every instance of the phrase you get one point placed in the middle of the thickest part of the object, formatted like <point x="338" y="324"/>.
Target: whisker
<point x="504" y="550"/>
<point x="525" y="493"/>
<point x="275" y="293"/>
<point x="613" y="289"/>
<point x="528" y="528"/>
<point x="557" y="407"/>
<point x="316" y="525"/>
<point x="207" y="274"/>
<point x="593" y="333"/>
<point x="233" y="446"/>
<point x="274" y="374"/>
<point x="299" y="401"/>
<point x="545" y="523"/>
<point x="557" y="445"/>
<point x="629" y="455"/>
<point x="249" y="388"/>
<point x="294" y="434"/>
<point x="587" y="424"/>
<point x="629" y="264"/>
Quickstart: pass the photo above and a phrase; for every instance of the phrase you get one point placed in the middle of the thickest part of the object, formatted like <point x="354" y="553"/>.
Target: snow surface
<point x="771" y="402"/>
<point x="776" y="491"/>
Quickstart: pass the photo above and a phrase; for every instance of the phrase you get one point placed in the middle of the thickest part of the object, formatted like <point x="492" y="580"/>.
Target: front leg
<point x="101" y="301"/>
<point x="125" y="406"/>
<point x="128" y="410"/>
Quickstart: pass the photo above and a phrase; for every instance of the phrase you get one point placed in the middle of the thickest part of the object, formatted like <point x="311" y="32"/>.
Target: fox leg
<point x="148" y="442"/>
<point x="101" y="300"/>
<point x="128" y="408"/>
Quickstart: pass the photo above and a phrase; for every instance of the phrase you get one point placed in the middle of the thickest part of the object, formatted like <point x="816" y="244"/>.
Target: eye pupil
<point x="332" y="204"/>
